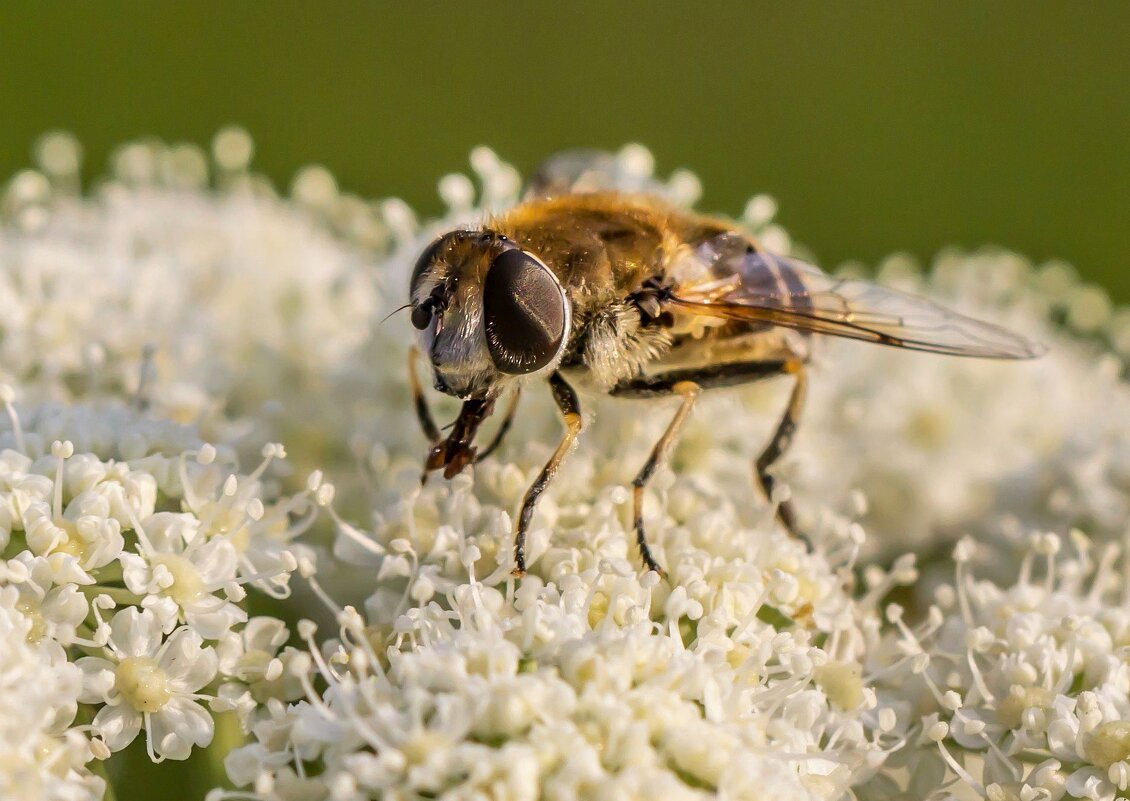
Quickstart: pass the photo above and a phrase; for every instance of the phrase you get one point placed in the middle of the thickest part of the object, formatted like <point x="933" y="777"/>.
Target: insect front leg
<point x="423" y="413"/>
<point x="689" y="390"/>
<point x="567" y="402"/>
<point x="507" y="421"/>
<point x="780" y="442"/>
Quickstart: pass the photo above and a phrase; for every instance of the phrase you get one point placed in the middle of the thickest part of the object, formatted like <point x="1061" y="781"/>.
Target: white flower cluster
<point x="991" y="448"/>
<point x="741" y="678"/>
<point x="430" y="717"/>
<point x="44" y="757"/>
<point x="757" y="671"/>
<point x="217" y="301"/>
<point x="1024" y="688"/>
<point x="122" y="569"/>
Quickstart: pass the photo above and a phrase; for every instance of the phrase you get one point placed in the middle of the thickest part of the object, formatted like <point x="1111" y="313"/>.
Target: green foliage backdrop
<point x="878" y="126"/>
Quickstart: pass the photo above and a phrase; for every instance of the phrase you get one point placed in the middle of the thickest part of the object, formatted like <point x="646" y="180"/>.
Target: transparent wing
<point x="739" y="282"/>
<point x="574" y="171"/>
<point x="583" y="170"/>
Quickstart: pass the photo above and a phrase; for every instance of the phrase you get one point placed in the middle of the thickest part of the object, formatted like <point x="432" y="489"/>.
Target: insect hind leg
<point x="782" y="439"/>
<point x="689" y="390"/>
<point x="729" y="375"/>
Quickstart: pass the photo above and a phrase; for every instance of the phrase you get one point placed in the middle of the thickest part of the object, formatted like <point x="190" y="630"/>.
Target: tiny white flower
<point x="257" y="667"/>
<point x="147" y="681"/>
<point x="43" y="756"/>
<point x="55" y="611"/>
<point x="183" y="570"/>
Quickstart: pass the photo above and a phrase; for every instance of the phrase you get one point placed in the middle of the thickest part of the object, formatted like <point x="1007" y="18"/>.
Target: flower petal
<point x="117" y="725"/>
<point x="179" y="726"/>
<point x="97" y="679"/>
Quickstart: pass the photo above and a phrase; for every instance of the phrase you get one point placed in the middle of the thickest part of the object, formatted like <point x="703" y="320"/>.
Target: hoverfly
<point x="623" y="294"/>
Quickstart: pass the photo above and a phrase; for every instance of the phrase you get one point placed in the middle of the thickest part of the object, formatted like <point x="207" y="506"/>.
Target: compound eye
<point x="525" y="313"/>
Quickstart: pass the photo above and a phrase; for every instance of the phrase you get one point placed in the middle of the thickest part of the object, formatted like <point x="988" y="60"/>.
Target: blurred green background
<point x="879" y="127"/>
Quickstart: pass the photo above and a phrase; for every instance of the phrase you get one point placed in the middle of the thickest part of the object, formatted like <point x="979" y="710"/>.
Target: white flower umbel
<point x="757" y="671"/>
<point x="989" y="447"/>
<point x="157" y="533"/>
<point x="895" y="425"/>
<point x="212" y="300"/>
<point x="741" y="678"/>
<point x="271" y="309"/>
<point x="1026" y="686"/>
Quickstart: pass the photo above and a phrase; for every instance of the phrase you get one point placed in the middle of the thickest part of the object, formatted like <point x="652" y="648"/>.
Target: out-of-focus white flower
<point x="985" y="447"/>
<point x="146" y="680"/>
<point x="212" y="306"/>
<point x="257" y="667"/>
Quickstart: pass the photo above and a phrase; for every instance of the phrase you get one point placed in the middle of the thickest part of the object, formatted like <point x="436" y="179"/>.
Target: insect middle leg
<point x="566" y="400"/>
<point x="423" y="413"/>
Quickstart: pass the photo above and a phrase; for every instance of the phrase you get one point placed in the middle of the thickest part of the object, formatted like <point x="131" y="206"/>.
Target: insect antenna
<point x="394" y="311"/>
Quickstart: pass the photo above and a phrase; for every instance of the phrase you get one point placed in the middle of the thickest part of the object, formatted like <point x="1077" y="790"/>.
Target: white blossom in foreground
<point x="126" y="559"/>
<point x="1023" y="688"/>
<point x="740" y="678"/>
<point x="42" y="757"/>
<point x="147" y="681"/>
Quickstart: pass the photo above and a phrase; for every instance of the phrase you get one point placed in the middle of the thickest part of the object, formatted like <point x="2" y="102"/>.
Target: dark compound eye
<point x="525" y="313"/>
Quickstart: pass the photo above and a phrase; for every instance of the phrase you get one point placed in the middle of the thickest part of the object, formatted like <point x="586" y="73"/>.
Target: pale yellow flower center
<point x="928" y="428"/>
<point x="1109" y="743"/>
<point x="1011" y="710"/>
<point x="73" y="545"/>
<point x="188" y="584"/>
<point x="842" y="682"/>
<point x="38" y="624"/>
<point x="143" y="683"/>
<point x="254" y="662"/>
